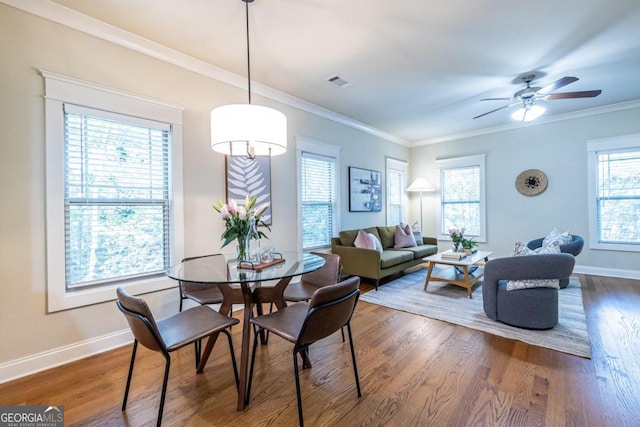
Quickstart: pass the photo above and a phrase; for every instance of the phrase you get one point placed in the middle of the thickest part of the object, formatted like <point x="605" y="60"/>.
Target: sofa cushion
<point x="387" y="236"/>
<point x="392" y="257"/>
<point x="404" y="237"/>
<point x="421" y="251"/>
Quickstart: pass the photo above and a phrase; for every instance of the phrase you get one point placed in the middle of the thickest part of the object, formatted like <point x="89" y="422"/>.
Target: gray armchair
<point x="574" y="248"/>
<point x="534" y="308"/>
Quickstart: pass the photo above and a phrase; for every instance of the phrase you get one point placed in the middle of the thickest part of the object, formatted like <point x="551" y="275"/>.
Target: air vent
<point x="338" y="81"/>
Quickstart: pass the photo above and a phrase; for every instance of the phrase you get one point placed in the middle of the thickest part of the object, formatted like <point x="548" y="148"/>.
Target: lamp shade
<point x="248" y="130"/>
<point x="420" y="184"/>
<point x="528" y="114"/>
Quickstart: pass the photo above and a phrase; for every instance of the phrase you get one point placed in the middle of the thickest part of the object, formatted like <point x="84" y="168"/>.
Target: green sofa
<point x="372" y="264"/>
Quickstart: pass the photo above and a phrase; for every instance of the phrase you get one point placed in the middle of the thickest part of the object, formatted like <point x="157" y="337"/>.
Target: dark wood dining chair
<point x="170" y="334"/>
<point x="201" y="293"/>
<point x="302" y="324"/>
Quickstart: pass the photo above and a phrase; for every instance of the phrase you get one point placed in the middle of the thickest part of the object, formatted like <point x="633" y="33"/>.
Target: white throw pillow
<point x="377" y="242"/>
<point x="557" y="236"/>
<point x="403" y="237"/>
<point x="522" y="250"/>
<point x="365" y="240"/>
<point x="513" y="285"/>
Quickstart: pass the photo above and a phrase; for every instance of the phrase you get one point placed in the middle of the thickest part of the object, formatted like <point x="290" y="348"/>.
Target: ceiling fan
<point x="528" y="96"/>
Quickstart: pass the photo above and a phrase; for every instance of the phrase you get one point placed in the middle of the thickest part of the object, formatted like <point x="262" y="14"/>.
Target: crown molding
<point x="542" y="121"/>
<point x="62" y="15"/>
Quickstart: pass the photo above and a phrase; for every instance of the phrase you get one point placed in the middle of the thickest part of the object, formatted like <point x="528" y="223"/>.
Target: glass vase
<point x="241" y="254"/>
<point x="252" y="243"/>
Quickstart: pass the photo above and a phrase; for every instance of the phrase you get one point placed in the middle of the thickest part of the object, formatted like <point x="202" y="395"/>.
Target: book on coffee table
<point x="452" y="255"/>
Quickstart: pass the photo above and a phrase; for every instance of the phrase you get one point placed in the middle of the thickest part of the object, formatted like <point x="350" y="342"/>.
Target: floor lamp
<point x="421" y="186"/>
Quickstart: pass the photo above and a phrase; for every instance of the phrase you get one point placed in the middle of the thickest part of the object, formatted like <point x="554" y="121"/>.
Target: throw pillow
<point x="513" y="285"/>
<point x="557" y="236"/>
<point x="377" y="242"/>
<point x="403" y="237"/>
<point x="365" y="240"/>
<point x="553" y="248"/>
<point x="522" y="250"/>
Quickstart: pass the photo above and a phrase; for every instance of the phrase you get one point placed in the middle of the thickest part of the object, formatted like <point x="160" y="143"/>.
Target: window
<point x="614" y="192"/>
<point x="113" y="208"/>
<point x="396" y="191"/>
<point x="318" y="213"/>
<point x="116" y="197"/>
<point x="462" y="199"/>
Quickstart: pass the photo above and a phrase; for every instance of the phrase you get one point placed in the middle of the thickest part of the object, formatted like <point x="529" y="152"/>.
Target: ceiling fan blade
<point x="492" y="111"/>
<point x="495" y="99"/>
<point x="569" y="95"/>
<point x="557" y="85"/>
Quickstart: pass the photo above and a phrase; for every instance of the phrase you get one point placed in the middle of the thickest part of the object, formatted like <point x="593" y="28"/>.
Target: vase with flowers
<point x="241" y="221"/>
<point x="456" y="238"/>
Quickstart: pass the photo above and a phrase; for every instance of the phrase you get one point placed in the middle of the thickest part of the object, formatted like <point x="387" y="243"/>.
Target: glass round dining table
<point x="248" y="285"/>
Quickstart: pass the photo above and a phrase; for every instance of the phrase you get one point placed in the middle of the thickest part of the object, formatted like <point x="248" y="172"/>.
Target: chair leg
<point x="197" y="346"/>
<point x="165" y="381"/>
<point x="233" y="359"/>
<point x="342" y="332"/>
<point x="296" y="371"/>
<point x="253" y="362"/>
<point x="353" y="358"/>
<point x="126" y="390"/>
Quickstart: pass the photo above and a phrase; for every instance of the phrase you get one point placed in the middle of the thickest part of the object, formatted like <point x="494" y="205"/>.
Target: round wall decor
<point x="531" y="182"/>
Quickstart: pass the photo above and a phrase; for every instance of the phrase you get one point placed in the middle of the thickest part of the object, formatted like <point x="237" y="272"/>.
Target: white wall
<point x="558" y="149"/>
<point x="32" y="339"/>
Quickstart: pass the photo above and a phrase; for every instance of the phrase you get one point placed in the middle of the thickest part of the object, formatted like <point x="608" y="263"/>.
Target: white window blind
<point x="460" y="199"/>
<point x="116" y="187"/>
<point x="462" y="196"/>
<point x="396" y="192"/>
<point x="618" y="196"/>
<point x="318" y="199"/>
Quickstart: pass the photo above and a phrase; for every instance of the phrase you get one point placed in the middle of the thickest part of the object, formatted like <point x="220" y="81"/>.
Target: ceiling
<point x="417" y="69"/>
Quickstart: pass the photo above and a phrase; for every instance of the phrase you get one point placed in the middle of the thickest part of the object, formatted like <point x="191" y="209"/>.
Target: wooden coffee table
<point x="467" y="273"/>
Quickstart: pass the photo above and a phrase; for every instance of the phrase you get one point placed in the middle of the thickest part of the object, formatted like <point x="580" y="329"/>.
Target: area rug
<point x="443" y="301"/>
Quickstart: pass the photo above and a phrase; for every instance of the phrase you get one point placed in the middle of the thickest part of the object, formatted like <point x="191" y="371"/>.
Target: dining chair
<point x="328" y="274"/>
<point x="302" y="324"/>
<point x="201" y="293"/>
<point x="170" y="334"/>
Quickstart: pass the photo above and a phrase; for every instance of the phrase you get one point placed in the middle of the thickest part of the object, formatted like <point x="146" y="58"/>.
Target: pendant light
<point x="246" y="129"/>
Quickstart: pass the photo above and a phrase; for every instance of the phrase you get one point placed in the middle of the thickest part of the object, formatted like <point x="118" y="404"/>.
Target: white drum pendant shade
<point x="247" y="129"/>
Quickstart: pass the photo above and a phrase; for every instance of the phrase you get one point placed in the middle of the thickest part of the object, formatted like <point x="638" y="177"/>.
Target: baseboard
<point x="607" y="272"/>
<point x="49" y="359"/>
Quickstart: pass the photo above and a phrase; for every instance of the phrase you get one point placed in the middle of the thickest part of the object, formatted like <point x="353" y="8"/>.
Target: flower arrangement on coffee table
<point x="459" y="241"/>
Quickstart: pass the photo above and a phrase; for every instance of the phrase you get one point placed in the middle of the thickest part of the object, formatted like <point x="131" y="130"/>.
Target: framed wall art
<point x="365" y="190"/>
<point x="249" y="177"/>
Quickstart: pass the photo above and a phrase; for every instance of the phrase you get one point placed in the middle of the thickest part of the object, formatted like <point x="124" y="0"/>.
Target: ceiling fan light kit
<point x="528" y="96"/>
<point x="529" y="113"/>
<point x="246" y="129"/>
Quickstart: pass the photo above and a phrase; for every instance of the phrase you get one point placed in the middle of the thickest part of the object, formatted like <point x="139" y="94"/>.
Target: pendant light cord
<point x="248" y="52"/>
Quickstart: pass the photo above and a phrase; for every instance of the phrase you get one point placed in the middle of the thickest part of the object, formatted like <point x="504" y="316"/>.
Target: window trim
<point x="322" y="149"/>
<point x="459" y="162"/>
<point x="594" y="146"/>
<point x="59" y="90"/>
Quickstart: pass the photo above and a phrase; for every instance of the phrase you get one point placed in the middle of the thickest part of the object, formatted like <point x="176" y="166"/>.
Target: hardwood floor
<point x="414" y="371"/>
